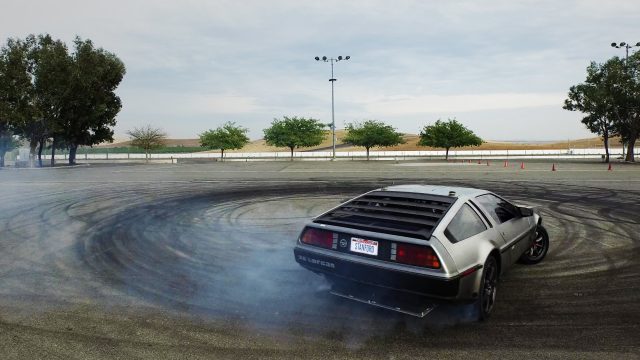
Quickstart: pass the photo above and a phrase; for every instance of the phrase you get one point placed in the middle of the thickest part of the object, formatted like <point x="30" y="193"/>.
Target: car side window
<point x="500" y="210"/>
<point x="464" y="224"/>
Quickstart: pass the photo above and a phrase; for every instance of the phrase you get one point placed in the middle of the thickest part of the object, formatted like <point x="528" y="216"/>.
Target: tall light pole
<point x="626" y="46"/>
<point x="333" y="115"/>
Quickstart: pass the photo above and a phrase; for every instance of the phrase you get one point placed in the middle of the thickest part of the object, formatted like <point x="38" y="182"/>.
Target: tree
<point x="226" y="137"/>
<point x="147" y="139"/>
<point x="610" y="100"/>
<point x="626" y="95"/>
<point x="372" y="133"/>
<point x="92" y="105"/>
<point x="16" y="91"/>
<point x="52" y="73"/>
<point x="449" y="134"/>
<point x="67" y="99"/>
<point x="294" y="132"/>
<point x="597" y="99"/>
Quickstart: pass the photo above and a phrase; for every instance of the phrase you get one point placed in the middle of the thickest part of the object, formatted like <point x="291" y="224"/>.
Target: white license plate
<point x="364" y="246"/>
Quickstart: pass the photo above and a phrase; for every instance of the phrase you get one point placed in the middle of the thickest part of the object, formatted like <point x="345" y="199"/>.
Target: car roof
<point x="437" y="190"/>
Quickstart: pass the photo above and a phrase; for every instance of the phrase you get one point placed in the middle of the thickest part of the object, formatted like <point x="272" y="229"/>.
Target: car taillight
<point x="317" y="237"/>
<point x="417" y="255"/>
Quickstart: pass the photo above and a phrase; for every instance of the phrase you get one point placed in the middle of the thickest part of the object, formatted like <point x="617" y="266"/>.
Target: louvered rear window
<point x="398" y="213"/>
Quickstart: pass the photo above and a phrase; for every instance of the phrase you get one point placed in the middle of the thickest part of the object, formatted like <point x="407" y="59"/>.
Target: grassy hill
<point x="411" y="143"/>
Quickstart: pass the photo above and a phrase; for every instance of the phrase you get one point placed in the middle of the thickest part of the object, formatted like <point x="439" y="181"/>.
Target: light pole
<point x="333" y="115"/>
<point x="626" y="46"/>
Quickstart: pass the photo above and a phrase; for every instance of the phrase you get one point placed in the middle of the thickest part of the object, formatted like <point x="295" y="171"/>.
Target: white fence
<point x="378" y="155"/>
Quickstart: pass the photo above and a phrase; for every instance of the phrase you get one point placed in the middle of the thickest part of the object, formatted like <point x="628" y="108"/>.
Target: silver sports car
<point x="397" y="244"/>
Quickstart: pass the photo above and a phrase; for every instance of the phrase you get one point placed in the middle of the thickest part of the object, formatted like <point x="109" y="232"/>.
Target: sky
<point x="502" y="68"/>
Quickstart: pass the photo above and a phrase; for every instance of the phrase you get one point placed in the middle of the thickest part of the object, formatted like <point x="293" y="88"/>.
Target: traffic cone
<point x="521" y="166"/>
<point x="610" y="168"/>
<point x="553" y="168"/>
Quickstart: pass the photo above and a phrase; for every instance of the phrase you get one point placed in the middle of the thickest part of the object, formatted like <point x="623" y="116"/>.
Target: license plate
<point x="364" y="246"/>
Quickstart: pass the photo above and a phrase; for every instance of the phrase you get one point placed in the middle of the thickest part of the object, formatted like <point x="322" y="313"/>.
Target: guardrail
<point x="358" y="155"/>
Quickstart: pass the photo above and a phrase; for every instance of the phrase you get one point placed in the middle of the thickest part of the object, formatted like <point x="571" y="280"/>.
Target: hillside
<point x="410" y="144"/>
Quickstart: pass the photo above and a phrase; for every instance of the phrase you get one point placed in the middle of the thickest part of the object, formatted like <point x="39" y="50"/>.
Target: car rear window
<point x="464" y="225"/>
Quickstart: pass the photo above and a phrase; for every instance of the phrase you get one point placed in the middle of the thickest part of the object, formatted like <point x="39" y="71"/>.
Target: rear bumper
<point x="333" y="266"/>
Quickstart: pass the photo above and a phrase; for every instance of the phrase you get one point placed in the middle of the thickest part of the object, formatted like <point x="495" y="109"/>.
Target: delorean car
<point x="401" y="244"/>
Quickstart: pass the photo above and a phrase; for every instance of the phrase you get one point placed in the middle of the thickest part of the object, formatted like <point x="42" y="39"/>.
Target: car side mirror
<point x="525" y="211"/>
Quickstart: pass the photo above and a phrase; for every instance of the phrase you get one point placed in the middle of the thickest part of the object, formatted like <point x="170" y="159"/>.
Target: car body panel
<point x="459" y="276"/>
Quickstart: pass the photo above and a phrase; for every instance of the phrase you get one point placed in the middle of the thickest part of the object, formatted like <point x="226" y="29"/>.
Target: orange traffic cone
<point x="553" y="168"/>
<point x="610" y="168"/>
<point x="522" y="166"/>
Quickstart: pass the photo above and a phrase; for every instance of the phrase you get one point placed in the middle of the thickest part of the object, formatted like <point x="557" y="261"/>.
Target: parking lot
<point x="195" y="260"/>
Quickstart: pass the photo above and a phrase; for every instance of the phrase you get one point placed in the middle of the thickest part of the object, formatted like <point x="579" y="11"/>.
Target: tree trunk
<point x="53" y="152"/>
<point x="605" y="137"/>
<point x="367" y="154"/>
<point x="2" y="154"/>
<point x="41" y="145"/>
<point x="32" y="151"/>
<point x="631" y="148"/>
<point x="446" y="156"/>
<point x="73" y="149"/>
<point x="291" y="147"/>
<point x="146" y="156"/>
<point x="221" y="154"/>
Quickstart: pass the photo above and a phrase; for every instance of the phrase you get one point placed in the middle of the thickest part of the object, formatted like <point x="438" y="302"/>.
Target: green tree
<point x="226" y="137"/>
<point x="16" y="91"/>
<point x="597" y="99"/>
<point x="448" y="134"/>
<point x="91" y="106"/>
<point x="52" y="74"/>
<point x="294" y="132"/>
<point x="57" y="97"/>
<point x="626" y="99"/>
<point x="372" y="133"/>
<point x="147" y="138"/>
<point x="610" y="100"/>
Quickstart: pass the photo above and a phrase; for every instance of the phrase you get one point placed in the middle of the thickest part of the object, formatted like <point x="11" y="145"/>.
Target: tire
<point x="488" y="288"/>
<point x="538" y="249"/>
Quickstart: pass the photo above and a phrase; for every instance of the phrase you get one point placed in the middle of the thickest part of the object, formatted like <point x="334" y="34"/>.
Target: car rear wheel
<point x="488" y="288"/>
<point x="538" y="249"/>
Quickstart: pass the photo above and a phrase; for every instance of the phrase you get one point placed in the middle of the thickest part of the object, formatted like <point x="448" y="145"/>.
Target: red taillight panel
<point x="417" y="255"/>
<point x="317" y="237"/>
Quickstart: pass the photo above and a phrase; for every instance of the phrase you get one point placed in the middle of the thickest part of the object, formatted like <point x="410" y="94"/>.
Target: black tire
<point x="538" y="249"/>
<point x="488" y="288"/>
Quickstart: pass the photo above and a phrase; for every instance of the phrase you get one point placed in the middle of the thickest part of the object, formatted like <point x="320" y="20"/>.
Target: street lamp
<point x="333" y="117"/>
<point x="626" y="46"/>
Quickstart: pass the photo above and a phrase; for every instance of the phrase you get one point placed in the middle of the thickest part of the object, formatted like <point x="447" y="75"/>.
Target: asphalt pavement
<point x="195" y="261"/>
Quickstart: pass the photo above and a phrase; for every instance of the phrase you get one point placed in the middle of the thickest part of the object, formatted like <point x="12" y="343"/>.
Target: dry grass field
<point x="411" y="143"/>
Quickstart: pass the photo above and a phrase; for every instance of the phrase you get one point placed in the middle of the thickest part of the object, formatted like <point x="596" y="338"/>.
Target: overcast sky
<point x="502" y="68"/>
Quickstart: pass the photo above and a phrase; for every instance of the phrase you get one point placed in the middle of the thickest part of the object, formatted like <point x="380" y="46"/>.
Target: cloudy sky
<point x="500" y="67"/>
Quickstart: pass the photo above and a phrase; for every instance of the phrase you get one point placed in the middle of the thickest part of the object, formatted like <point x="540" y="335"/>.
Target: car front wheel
<point x="538" y="249"/>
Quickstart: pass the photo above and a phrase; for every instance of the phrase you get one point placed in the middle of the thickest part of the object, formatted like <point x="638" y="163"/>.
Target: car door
<point x="515" y="229"/>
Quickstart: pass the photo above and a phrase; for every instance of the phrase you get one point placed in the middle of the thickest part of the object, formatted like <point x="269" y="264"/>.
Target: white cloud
<point x="410" y="105"/>
<point x="194" y="63"/>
